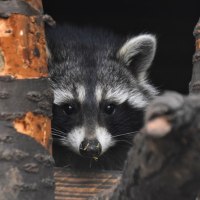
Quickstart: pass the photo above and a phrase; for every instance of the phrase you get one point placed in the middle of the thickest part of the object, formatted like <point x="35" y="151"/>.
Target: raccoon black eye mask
<point x="100" y="93"/>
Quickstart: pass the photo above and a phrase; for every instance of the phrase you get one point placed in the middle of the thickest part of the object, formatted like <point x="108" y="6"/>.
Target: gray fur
<point x="92" y="67"/>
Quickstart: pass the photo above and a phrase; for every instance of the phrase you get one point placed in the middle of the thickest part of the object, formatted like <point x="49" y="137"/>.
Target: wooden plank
<point x="71" y="185"/>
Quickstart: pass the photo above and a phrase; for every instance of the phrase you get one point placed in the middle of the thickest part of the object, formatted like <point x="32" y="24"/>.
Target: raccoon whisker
<point x="55" y="134"/>
<point x="55" y="129"/>
<point x="125" y="134"/>
<point x="124" y="141"/>
<point x="58" y="131"/>
<point x="58" y="134"/>
<point x="60" y="140"/>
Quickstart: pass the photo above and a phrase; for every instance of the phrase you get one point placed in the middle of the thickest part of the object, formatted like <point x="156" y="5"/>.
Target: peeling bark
<point x="36" y="126"/>
<point x="26" y="168"/>
<point x="23" y="56"/>
<point x="23" y="47"/>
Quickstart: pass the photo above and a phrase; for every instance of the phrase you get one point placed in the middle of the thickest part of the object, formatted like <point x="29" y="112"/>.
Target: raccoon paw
<point x="166" y="113"/>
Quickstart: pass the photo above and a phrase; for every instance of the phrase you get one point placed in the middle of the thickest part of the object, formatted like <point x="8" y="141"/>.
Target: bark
<point x="23" y="56"/>
<point x="195" y="81"/>
<point x="164" y="168"/>
<point x="26" y="168"/>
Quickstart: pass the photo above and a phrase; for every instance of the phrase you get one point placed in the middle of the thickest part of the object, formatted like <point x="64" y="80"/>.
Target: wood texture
<point x="82" y="186"/>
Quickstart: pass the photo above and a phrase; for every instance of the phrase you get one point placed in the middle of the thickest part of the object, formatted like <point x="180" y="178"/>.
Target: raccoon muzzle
<point x="90" y="148"/>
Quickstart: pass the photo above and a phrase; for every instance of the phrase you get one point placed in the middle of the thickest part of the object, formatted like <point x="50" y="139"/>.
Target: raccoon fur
<point x="101" y="90"/>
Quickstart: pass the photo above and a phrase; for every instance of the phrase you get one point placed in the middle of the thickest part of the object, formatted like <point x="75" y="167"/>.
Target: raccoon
<point x="100" y="86"/>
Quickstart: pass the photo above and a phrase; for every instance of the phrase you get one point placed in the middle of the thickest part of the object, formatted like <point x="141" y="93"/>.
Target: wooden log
<point x="71" y="185"/>
<point x="26" y="168"/>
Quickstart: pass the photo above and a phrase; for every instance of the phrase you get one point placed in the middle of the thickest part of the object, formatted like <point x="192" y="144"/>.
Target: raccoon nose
<point x="90" y="148"/>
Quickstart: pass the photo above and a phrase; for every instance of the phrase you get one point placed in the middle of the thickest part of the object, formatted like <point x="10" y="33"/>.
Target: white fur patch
<point x="137" y="100"/>
<point x="74" y="139"/>
<point x="61" y="96"/>
<point x="81" y="93"/>
<point x="152" y="90"/>
<point x="104" y="138"/>
<point x="118" y="95"/>
<point x="77" y="135"/>
<point x="98" y="93"/>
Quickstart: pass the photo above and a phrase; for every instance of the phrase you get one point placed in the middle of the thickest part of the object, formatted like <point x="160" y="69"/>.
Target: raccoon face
<point x="100" y="92"/>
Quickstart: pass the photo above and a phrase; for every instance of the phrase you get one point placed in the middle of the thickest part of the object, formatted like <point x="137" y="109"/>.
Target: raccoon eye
<point x="69" y="109"/>
<point x="109" y="109"/>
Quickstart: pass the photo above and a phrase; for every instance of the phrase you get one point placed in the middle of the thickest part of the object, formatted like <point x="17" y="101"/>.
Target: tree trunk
<point x="26" y="168"/>
<point x="195" y="81"/>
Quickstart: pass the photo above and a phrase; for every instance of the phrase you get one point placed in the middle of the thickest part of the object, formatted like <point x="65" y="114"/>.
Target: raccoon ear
<point x="137" y="54"/>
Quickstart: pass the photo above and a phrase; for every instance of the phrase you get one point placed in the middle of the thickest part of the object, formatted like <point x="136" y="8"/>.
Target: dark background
<point x="172" y="22"/>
